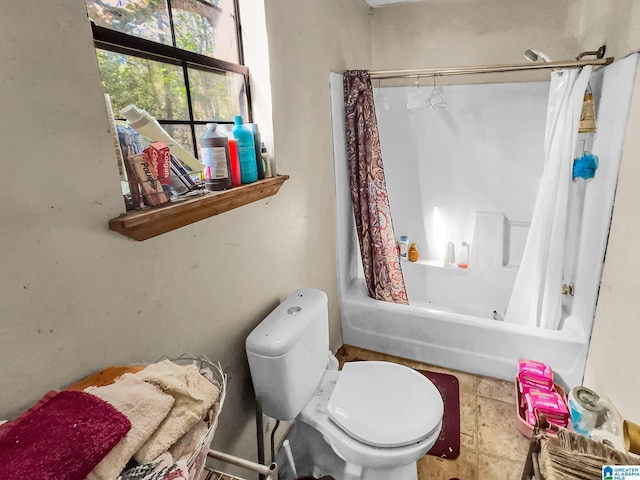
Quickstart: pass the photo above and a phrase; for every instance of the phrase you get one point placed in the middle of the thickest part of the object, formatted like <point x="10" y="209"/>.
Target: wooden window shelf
<point x="150" y="222"/>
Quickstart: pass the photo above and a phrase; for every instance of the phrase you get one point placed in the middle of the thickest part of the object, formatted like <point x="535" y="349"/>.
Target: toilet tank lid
<point x="286" y="324"/>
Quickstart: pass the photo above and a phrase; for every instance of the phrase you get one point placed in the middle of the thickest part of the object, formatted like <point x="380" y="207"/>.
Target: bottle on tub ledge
<point x="450" y="255"/>
<point x="413" y="252"/>
<point x="463" y="255"/>
<point x="404" y="247"/>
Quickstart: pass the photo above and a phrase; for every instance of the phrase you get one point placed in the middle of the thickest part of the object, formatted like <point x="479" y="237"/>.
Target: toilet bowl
<point x="378" y="417"/>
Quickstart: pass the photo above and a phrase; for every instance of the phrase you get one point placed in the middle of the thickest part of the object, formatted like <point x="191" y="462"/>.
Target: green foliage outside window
<point x="200" y="26"/>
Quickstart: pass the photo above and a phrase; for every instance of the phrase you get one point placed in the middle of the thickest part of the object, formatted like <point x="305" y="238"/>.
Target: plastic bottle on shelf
<point x="246" y="151"/>
<point x="215" y="156"/>
<point x="463" y="255"/>
<point x="450" y="255"/>
<point x="404" y="247"/>
<point x="413" y="252"/>
<point x="257" y="142"/>
<point x="265" y="160"/>
<point x="235" y="162"/>
<point x="147" y="126"/>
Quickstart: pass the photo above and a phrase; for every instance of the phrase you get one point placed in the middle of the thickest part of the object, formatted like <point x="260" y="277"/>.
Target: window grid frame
<point x="112" y="40"/>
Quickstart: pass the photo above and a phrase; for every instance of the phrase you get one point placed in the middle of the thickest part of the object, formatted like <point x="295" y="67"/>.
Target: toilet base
<point x="314" y="456"/>
<point x="405" y="472"/>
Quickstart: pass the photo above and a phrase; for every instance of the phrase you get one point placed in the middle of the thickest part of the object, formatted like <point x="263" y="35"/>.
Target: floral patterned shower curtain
<point x="378" y="246"/>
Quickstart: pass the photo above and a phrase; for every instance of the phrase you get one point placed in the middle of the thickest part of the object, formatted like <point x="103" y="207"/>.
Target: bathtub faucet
<point x="568" y="289"/>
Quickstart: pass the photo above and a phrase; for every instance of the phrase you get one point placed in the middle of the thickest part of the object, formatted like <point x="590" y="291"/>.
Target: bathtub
<point x="462" y="342"/>
<point x="465" y="332"/>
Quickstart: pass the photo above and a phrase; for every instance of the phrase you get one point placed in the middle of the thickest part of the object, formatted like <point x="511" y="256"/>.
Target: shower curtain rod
<point x="450" y="71"/>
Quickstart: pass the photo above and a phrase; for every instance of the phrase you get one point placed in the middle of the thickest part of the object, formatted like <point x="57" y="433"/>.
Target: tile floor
<point x="491" y="447"/>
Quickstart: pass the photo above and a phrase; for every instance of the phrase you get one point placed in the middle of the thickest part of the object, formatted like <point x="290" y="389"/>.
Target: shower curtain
<point x="536" y="299"/>
<point x="378" y="246"/>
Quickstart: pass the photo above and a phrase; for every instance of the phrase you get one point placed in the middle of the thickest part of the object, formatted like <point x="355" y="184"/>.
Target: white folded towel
<point x="144" y="405"/>
<point x="193" y="395"/>
<point x="186" y="445"/>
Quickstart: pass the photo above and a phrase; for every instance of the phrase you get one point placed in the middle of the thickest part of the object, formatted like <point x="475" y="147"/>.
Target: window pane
<point x="217" y="96"/>
<point x="182" y="135"/>
<point x="200" y="129"/>
<point x="157" y="87"/>
<point x="206" y="27"/>
<point x="148" y="19"/>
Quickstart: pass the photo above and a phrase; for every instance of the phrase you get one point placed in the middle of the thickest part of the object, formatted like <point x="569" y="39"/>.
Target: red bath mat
<point x="448" y="443"/>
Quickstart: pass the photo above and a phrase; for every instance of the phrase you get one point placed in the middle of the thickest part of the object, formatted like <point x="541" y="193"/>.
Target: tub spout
<point x="568" y="289"/>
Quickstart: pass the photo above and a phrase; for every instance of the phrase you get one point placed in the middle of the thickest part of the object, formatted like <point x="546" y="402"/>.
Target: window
<point x="180" y="60"/>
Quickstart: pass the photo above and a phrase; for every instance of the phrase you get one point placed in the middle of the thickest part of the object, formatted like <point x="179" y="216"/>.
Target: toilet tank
<point x="288" y="353"/>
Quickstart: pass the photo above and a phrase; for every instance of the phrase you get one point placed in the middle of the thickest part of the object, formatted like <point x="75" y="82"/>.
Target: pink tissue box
<point x="535" y="374"/>
<point x="526" y="422"/>
<point x="550" y="404"/>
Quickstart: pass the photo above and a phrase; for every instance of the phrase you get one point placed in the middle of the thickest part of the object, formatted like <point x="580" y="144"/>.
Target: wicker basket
<point x="212" y="372"/>
<point x="569" y="455"/>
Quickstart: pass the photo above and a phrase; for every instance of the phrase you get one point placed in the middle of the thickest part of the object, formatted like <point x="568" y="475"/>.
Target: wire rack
<point x="210" y="474"/>
<point x="267" y="472"/>
<point x="197" y="469"/>
<point x="212" y="372"/>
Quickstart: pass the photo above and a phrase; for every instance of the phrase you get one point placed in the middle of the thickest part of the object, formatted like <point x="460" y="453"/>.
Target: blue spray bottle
<point x="246" y="151"/>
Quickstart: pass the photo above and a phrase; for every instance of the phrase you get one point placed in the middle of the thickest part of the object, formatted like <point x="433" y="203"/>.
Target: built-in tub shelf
<point x="435" y="264"/>
<point x="150" y="222"/>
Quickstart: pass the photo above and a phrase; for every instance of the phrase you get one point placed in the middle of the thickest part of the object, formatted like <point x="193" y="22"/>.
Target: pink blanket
<point x="62" y="437"/>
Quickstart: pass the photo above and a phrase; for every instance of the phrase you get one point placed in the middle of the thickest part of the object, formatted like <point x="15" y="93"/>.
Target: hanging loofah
<point x="585" y="166"/>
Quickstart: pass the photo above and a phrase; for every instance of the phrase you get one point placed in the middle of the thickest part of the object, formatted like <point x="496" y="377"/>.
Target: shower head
<point x="535" y="55"/>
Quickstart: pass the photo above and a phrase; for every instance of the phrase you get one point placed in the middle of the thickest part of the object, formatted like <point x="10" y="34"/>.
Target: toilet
<point x="380" y="418"/>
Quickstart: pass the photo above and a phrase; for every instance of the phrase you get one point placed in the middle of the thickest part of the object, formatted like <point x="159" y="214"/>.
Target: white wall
<point x="77" y="297"/>
<point x="484" y="153"/>
<point x="307" y="40"/>
<point x="470" y="32"/>
<point x="613" y="351"/>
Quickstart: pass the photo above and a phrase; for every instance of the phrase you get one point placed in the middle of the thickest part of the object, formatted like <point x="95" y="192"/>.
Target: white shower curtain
<point x="536" y="299"/>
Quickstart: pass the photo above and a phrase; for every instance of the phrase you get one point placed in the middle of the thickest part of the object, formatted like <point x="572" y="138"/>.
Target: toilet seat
<point x="385" y="404"/>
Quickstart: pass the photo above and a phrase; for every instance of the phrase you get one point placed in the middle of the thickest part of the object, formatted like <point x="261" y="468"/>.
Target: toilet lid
<point x="385" y="404"/>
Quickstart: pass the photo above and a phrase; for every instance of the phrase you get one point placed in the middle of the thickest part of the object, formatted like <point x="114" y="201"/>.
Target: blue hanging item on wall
<point x="585" y="166"/>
